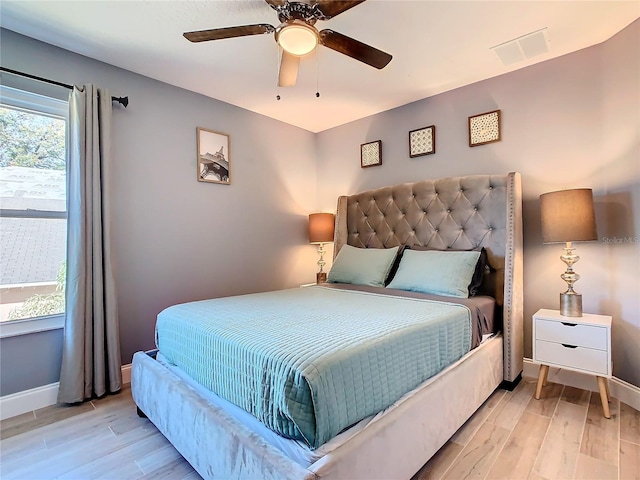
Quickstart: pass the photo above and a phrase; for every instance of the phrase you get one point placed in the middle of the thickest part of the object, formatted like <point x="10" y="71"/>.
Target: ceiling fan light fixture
<point x="297" y="38"/>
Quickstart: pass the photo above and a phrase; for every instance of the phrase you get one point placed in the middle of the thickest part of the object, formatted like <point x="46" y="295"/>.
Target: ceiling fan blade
<point x="331" y="8"/>
<point x="354" y="49"/>
<point x="276" y="3"/>
<point x="288" y="70"/>
<point x="229" y="32"/>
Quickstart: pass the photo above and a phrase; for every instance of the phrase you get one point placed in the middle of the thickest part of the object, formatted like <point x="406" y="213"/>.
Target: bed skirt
<point x="395" y="446"/>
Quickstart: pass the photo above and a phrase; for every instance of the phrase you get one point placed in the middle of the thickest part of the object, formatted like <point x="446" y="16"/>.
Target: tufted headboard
<point x="457" y="213"/>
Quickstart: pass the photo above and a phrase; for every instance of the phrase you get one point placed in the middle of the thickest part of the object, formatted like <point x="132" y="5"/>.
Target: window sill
<point x="32" y="325"/>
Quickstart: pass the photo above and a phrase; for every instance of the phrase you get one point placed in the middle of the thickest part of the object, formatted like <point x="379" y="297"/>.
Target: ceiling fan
<point x="297" y="35"/>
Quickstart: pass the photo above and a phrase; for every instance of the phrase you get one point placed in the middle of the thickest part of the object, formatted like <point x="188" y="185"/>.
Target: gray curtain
<point x="91" y="348"/>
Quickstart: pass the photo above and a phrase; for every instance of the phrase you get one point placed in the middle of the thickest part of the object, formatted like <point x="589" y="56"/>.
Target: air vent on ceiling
<point x="523" y="48"/>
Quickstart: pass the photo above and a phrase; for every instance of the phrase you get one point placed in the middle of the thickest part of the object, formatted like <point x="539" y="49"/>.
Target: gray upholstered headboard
<point x="458" y="213"/>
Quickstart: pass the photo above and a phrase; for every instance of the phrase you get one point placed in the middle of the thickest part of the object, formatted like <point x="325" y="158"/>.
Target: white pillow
<point x="439" y="273"/>
<point x="362" y="266"/>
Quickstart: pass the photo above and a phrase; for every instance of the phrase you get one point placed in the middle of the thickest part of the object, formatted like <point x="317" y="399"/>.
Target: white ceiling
<point x="436" y="46"/>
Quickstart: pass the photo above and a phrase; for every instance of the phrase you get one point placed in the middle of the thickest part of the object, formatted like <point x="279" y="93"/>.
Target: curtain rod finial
<point x="124" y="101"/>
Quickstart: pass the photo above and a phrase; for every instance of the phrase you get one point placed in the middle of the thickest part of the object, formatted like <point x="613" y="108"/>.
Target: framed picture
<point x="371" y="154"/>
<point x="484" y="128"/>
<point x="213" y="156"/>
<point x="422" y="141"/>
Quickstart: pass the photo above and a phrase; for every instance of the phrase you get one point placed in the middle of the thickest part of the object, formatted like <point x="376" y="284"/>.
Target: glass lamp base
<point x="571" y="304"/>
<point x="321" y="277"/>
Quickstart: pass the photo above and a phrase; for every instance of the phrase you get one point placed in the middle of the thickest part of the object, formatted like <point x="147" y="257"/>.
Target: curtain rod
<point x="124" y="101"/>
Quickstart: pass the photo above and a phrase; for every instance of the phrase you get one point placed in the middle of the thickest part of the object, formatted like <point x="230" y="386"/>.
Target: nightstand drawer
<point x="571" y="334"/>
<point x="581" y="358"/>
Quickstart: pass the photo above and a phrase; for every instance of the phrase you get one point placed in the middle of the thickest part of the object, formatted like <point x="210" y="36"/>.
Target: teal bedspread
<point x="309" y="362"/>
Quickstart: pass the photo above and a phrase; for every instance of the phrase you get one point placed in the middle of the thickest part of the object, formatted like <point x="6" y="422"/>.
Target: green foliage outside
<point x="41" y="305"/>
<point x="31" y="140"/>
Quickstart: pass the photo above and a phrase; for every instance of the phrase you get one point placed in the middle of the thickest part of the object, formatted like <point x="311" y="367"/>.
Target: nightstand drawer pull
<point x="569" y="346"/>
<point x="569" y="324"/>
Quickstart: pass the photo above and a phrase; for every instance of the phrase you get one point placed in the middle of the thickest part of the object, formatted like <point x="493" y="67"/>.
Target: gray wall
<point x="177" y="239"/>
<point x="566" y="123"/>
<point x="30" y="361"/>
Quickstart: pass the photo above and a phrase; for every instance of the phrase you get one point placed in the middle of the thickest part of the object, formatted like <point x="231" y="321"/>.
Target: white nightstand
<point x="582" y="344"/>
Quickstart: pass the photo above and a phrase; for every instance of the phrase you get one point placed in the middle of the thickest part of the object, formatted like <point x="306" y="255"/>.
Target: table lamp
<point x="568" y="216"/>
<point x="320" y="232"/>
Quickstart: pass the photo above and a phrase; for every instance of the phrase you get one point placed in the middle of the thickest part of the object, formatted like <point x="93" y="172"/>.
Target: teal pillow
<point x="362" y="266"/>
<point x="439" y="273"/>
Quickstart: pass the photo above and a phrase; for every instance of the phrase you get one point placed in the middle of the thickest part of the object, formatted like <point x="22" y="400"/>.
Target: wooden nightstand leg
<point x="542" y="375"/>
<point x="606" y="384"/>
<point x="546" y="376"/>
<point x="603" y="387"/>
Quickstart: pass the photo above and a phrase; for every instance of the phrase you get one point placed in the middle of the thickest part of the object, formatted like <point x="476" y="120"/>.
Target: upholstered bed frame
<point x="457" y="213"/>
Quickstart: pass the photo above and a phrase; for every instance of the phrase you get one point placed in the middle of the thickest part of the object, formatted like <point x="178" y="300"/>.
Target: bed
<point x="222" y="440"/>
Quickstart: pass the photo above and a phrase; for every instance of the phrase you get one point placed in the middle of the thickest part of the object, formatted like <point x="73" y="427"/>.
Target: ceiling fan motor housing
<point x="298" y="11"/>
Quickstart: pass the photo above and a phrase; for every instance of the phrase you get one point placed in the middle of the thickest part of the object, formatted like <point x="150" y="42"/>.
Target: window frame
<point x="53" y="107"/>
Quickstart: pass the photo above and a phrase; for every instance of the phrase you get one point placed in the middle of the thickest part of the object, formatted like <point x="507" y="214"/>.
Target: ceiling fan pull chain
<point x="317" y="72"/>
<point x="277" y="72"/>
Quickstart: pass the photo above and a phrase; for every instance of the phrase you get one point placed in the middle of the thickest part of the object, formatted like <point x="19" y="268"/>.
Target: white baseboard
<point x="28" y="400"/>
<point x="623" y="391"/>
<point x="40" y="397"/>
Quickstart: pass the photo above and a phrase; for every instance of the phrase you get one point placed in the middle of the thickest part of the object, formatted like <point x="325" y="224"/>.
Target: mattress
<point x="310" y="362"/>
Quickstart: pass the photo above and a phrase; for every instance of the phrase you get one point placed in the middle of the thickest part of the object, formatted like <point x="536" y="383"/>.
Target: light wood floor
<point x="561" y="436"/>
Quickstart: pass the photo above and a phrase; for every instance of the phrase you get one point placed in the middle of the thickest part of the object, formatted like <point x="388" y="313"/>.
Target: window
<point x="32" y="206"/>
